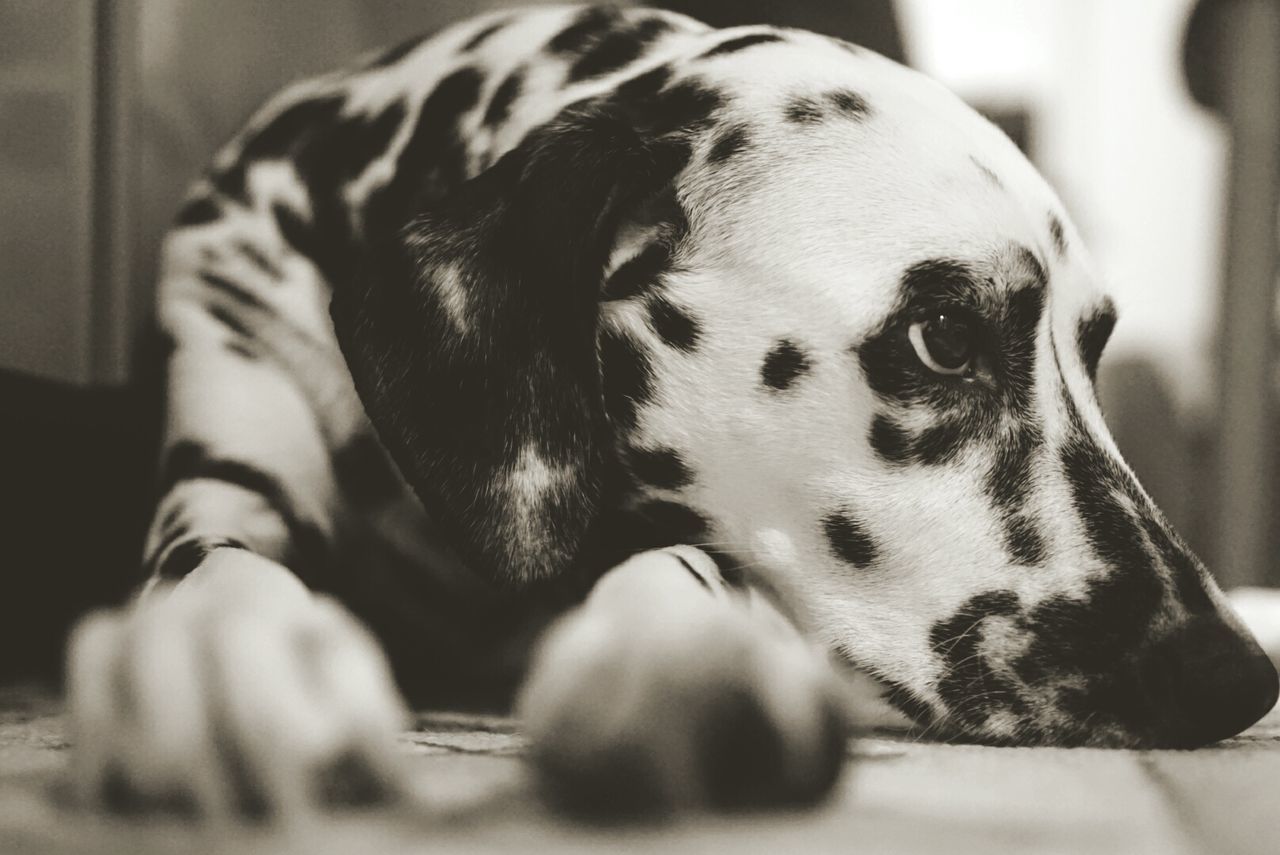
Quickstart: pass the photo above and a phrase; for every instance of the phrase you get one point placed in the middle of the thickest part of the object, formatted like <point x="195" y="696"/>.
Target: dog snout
<point x="1207" y="681"/>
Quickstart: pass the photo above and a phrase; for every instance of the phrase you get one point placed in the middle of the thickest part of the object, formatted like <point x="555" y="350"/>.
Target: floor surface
<point x="895" y="797"/>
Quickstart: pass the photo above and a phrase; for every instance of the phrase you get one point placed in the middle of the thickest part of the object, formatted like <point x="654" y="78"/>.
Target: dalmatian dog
<point x="708" y="392"/>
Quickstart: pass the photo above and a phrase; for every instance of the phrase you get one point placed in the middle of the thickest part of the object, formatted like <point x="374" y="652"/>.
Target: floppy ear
<point x="472" y="342"/>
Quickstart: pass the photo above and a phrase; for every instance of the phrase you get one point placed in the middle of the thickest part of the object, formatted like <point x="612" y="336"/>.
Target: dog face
<point x="866" y="375"/>
<point x="834" y="327"/>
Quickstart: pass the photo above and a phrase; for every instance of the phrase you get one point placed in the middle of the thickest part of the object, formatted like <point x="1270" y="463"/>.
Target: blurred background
<point x="1156" y="120"/>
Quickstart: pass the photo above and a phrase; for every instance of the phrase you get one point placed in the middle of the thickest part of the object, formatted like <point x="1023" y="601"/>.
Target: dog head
<point x="803" y="307"/>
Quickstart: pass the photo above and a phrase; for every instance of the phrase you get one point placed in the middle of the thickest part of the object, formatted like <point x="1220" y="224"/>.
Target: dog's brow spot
<point x="803" y="110"/>
<point x="738" y="43"/>
<point x="849" y="539"/>
<point x="849" y="103"/>
<point x="503" y="97"/>
<point x="627" y="376"/>
<point x="674" y="519"/>
<point x="674" y="325"/>
<point x="1057" y="235"/>
<point x="663" y="468"/>
<point x="940" y="276"/>
<point x="783" y="365"/>
<point x="733" y="141"/>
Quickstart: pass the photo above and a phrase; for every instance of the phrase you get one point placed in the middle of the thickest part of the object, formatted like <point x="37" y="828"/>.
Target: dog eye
<point x="944" y="341"/>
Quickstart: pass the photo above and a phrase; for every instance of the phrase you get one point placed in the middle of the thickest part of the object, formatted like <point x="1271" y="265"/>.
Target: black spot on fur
<point x="969" y="685"/>
<point x="241" y="348"/>
<point x="589" y="25"/>
<point x="659" y="467"/>
<point x="627" y="378"/>
<point x="731" y="142"/>
<point x="803" y="110"/>
<point x="890" y="441"/>
<point x="810" y="109"/>
<point x="617" y="49"/>
<point x="848" y="103"/>
<point x="482" y="36"/>
<point x="1092" y="334"/>
<point x="229" y="319"/>
<point x="645" y="85"/>
<point x="327" y="160"/>
<point x="234" y="290"/>
<point x="674" y="325"/>
<point x="638" y="274"/>
<point x="1024" y="541"/>
<point x="783" y="365"/>
<point x="1099" y="492"/>
<point x="279" y="138"/>
<point x="327" y="150"/>
<point x="738" y="43"/>
<point x="294" y="230"/>
<point x="434" y="158"/>
<point x="186" y="556"/>
<point x="678" y="523"/>
<point x="1189" y="578"/>
<point x="198" y="212"/>
<point x="933" y="446"/>
<point x="503" y="97"/>
<point x="966" y="409"/>
<point x="687" y="104"/>
<point x="908" y="703"/>
<point x="259" y="259"/>
<point x="1008" y="482"/>
<point x="1057" y="235"/>
<point x="849" y="539"/>
<point x="188" y="461"/>
<point x="364" y="472"/>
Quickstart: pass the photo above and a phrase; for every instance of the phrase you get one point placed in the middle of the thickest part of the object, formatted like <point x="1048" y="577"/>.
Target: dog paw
<point x="648" y="707"/>
<point x="235" y="694"/>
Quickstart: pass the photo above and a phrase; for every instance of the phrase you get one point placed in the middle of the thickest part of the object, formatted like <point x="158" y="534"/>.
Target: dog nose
<point x="1207" y="682"/>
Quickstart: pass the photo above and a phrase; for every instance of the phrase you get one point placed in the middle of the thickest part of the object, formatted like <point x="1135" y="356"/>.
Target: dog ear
<point x="472" y="341"/>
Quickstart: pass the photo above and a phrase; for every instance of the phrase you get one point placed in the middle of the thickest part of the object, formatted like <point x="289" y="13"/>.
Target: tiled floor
<point x="895" y="797"/>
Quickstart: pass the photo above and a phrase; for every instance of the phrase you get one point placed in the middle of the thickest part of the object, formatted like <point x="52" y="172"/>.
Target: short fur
<point x="604" y="280"/>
